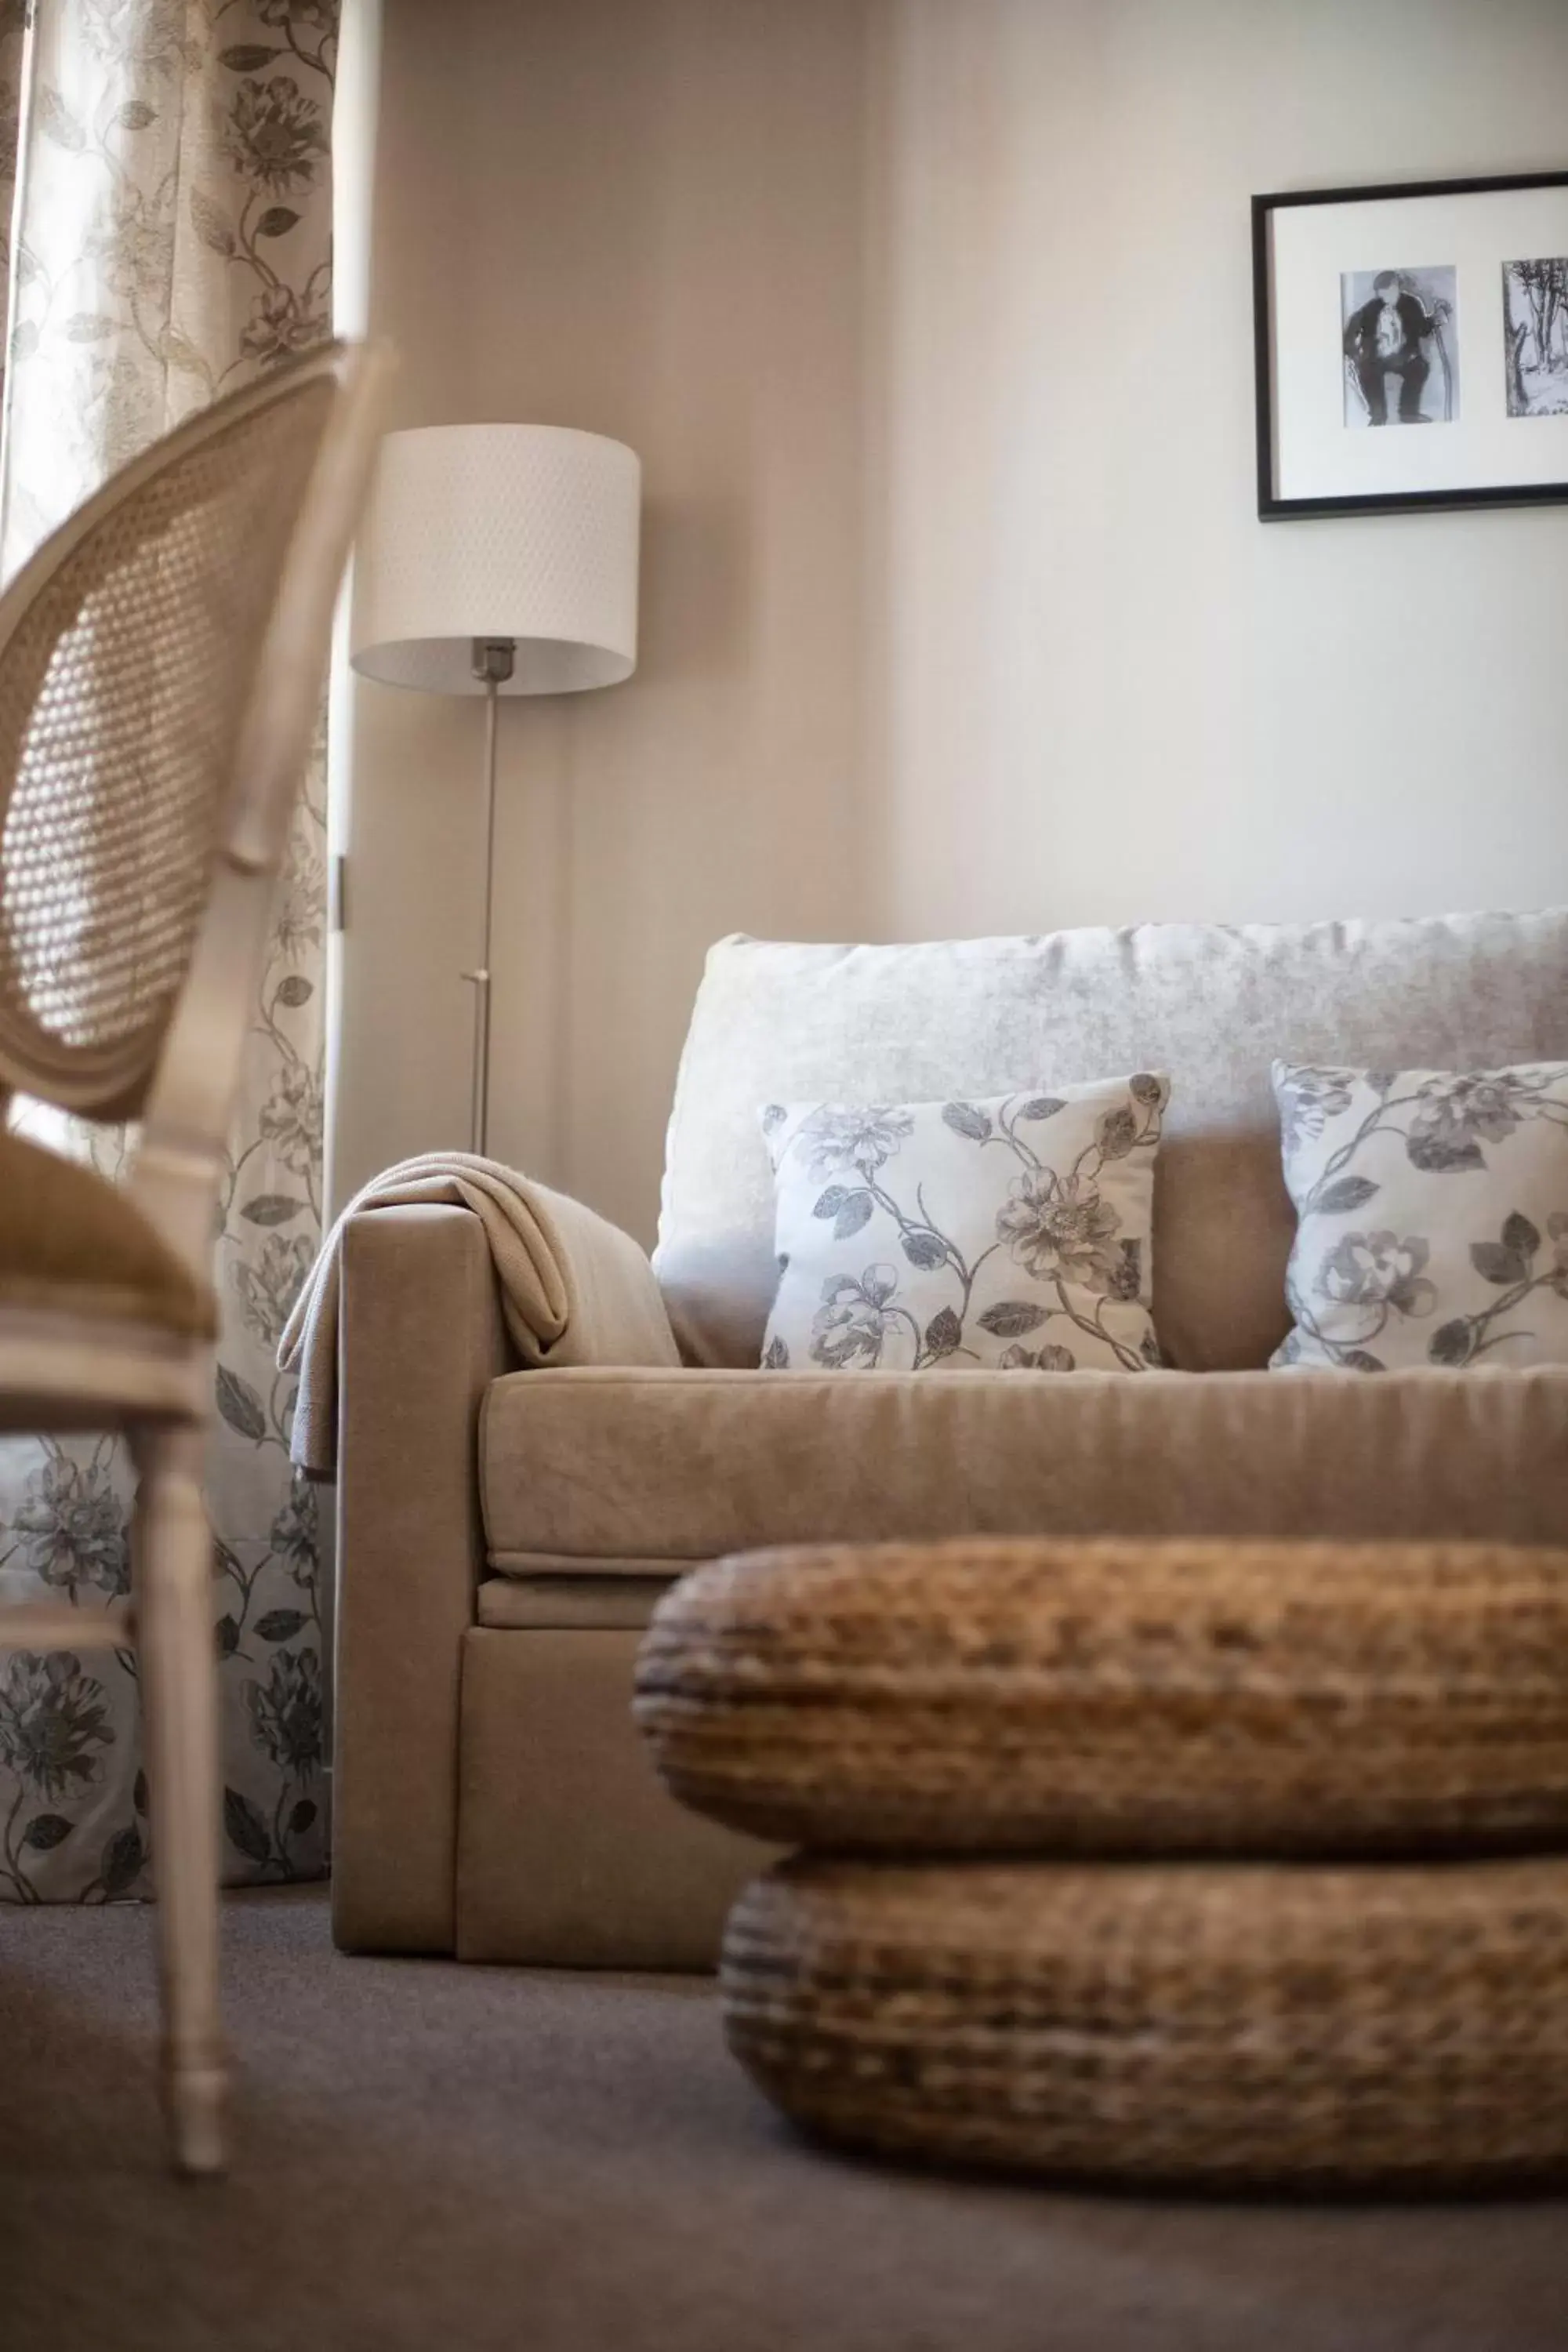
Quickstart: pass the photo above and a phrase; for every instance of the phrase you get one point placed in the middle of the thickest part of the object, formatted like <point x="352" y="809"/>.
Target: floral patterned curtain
<point x="171" y="239"/>
<point x="13" y="53"/>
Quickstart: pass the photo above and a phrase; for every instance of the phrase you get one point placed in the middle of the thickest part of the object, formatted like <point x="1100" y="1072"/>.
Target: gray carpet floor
<point x="436" y="2157"/>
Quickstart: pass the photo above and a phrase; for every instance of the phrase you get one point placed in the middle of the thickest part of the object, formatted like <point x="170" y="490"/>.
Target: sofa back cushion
<point x="1212" y="1004"/>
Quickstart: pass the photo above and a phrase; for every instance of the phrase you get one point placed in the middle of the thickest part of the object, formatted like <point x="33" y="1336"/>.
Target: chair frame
<point x="62" y="1372"/>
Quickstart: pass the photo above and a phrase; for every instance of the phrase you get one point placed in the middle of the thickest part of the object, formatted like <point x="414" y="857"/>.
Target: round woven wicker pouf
<point x="1121" y="1696"/>
<point x="1283" y="2025"/>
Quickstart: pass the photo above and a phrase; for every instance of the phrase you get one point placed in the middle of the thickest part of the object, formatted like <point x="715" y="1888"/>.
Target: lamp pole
<point x="492" y="660"/>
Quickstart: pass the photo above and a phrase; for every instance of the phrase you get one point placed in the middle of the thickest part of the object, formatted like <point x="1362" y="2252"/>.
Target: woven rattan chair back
<point x="151" y="718"/>
<point x="161" y="666"/>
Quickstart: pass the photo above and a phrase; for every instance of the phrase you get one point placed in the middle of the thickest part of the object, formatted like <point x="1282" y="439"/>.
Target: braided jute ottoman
<point x="1293" y="2025"/>
<point x="1134" y="1697"/>
<point x="1369" y="1989"/>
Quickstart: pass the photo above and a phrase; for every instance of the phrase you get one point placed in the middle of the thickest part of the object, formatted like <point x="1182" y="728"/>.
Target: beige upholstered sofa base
<point x="570" y="1853"/>
<point x="490" y="1798"/>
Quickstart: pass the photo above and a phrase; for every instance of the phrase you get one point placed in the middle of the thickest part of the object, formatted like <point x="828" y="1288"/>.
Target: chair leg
<point x="179" y="1732"/>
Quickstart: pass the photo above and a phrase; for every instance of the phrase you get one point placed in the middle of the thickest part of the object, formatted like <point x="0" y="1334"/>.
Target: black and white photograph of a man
<point x="1535" y="323"/>
<point x="1401" y="357"/>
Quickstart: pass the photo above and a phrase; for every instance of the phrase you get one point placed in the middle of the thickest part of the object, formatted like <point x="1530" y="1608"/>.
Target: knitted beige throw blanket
<point x="574" y="1288"/>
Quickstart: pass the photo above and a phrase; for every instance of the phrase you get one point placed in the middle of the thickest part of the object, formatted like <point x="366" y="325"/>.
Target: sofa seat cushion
<point x="611" y="1469"/>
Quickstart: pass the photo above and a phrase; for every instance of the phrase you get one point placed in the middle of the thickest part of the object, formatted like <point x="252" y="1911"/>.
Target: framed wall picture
<point x="1412" y="345"/>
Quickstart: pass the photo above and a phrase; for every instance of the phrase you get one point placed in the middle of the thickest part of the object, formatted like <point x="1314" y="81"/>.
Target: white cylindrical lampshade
<point x="527" y="531"/>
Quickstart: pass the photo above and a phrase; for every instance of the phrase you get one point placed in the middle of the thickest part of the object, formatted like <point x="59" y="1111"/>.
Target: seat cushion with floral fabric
<point x="1012" y="1234"/>
<point x="70" y="1239"/>
<point x="1433" y="1215"/>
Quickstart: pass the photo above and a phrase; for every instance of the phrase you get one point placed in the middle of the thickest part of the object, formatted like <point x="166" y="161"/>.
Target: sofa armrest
<point x="421" y="1337"/>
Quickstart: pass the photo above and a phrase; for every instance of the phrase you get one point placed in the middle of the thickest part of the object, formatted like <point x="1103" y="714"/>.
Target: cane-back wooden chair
<point x="162" y="660"/>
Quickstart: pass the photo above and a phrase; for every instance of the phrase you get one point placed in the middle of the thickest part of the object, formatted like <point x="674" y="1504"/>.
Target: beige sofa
<point x="503" y="1534"/>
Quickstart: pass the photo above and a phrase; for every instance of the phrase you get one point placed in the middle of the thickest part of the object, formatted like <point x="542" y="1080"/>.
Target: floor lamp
<point x="494" y="559"/>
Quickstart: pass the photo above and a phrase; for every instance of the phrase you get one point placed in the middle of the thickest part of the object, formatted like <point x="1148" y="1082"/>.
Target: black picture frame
<point x="1274" y="509"/>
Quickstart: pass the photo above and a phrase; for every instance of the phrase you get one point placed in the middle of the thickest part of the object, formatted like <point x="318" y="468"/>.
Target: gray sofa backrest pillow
<point x="1210" y="1004"/>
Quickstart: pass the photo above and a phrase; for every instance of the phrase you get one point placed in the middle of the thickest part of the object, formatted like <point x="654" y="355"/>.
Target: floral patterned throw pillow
<point x="1433" y="1216"/>
<point x="1011" y="1235"/>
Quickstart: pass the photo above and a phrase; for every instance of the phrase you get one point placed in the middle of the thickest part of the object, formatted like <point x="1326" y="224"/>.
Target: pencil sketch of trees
<point x="1535" y="328"/>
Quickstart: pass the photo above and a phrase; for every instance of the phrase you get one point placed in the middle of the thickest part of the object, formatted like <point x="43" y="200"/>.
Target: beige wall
<point x="930" y="320"/>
